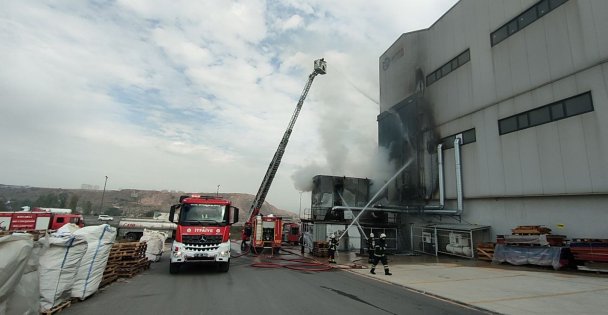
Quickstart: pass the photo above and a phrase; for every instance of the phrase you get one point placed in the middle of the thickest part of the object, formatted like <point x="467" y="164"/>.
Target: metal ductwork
<point x="430" y="209"/>
<point x="457" y="159"/>
<point x="437" y="209"/>
<point x="441" y="175"/>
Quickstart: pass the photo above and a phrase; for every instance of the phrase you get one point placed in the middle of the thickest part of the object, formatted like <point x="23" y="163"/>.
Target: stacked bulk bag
<point x="25" y="299"/>
<point x="99" y="240"/>
<point x="59" y="262"/>
<point x="15" y="251"/>
<point x="156" y="243"/>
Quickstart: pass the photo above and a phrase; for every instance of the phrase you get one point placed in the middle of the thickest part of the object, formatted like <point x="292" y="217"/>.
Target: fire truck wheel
<point x="174" y="268"/>
<point x="223" y="266"/>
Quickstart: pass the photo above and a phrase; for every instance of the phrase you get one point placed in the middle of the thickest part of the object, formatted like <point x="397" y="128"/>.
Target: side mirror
<point x="235" y="215"/>
<point x="172" y="213"/>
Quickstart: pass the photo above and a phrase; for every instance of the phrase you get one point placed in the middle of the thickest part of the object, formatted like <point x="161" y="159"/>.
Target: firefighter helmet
<point x="382" y="235"/>
<point x="371" y="234"/>
<point x="332" y="236"/>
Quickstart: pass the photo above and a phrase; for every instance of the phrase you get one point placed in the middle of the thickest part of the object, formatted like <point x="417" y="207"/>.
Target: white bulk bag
<point x="25" y="300"/>
<point x="99" y="240"/>
<point x="156" y="242"/>
<point x="15" y="250"/>
<point x="59" y="263"/>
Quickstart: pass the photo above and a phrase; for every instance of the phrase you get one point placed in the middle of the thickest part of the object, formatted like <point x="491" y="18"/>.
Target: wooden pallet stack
<point x="485" y="251"/>
<point x="320" y="249"/>
<point x="126" y="260"/>
<point x="531" y="230"/>
<point x="531" y="235"/>
<point x="58" y="308"/>
<point x="590" y="254"/>
<point x="109" y="274"/>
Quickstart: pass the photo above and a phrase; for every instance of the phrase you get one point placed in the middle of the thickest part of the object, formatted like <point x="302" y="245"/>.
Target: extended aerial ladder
<point x="253" y="227"/>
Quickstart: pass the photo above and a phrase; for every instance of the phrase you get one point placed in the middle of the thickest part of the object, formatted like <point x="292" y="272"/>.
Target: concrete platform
<point x="497" y="288"/>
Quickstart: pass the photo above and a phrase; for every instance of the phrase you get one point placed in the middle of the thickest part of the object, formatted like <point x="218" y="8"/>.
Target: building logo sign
<point x="386" y="63"/>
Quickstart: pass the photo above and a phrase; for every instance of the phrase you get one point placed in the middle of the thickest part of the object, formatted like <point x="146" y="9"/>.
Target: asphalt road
<point x="251" y="290"/>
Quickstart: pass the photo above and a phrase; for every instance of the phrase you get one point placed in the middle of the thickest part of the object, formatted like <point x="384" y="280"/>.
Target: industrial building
<point x="523" y="86"/>
<point x="492" y="118"/>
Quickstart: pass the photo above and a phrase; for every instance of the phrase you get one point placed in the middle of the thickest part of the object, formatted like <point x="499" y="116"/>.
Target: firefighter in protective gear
<point x="371" y="243"/>
<point x="333" y="246"/>
<point x="379" y="255"/>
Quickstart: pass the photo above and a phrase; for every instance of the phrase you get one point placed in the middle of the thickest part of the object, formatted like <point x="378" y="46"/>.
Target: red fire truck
<point x="291" y="233"/>
<point x="37" y="220"/>
<point x="203" y="231"/>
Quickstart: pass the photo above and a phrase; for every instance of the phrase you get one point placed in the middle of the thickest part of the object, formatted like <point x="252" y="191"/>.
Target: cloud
<point x="186" y="95"/>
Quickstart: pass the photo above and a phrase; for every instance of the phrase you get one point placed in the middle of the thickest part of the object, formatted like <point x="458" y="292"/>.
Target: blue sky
<point x="188" y="95"/>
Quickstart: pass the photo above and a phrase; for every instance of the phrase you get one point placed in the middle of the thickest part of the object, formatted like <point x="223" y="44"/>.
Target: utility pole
<point x="103" y="195"/>
<point x="300" y="211"/>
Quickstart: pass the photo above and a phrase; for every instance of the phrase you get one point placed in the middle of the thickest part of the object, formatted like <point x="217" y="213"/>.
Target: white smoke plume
<point x="348" y="129"/>
<point x="302" y="178"/>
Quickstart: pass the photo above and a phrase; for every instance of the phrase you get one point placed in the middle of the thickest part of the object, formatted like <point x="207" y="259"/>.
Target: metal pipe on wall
<point x="441" y="176"/>
<point x="457" y="159"/>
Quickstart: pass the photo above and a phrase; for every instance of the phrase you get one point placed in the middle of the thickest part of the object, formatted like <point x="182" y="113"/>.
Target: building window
<point x="576" y="105"/>
<point x="468" y="136"/>
<point x="448" y="67"/>
<point x="539" y="116"/>
<point x="524" y="19"/>
<point x="507" y="125"/>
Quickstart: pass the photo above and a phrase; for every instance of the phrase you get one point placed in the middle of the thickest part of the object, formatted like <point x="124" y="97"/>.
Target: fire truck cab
<point x="203" y="231"/>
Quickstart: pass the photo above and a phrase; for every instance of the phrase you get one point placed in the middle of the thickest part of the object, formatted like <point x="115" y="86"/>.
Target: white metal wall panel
<point x="574" y="152"/>
<point x="599" y="10"/>
<point x="497" y="13"/>
<point x="481" y="185"/>
<point x="597" y="161"/>
<point x="483" y="81"/>
<point x="470" y="169"/>
<point x="465" y="89"/>
<point x="582" y="217"/>
<point x="523" y="102"/>
<point x="449" y="166"/>
<point x="493" y="150"/>
<point x="483" y="121"/>
<point x="596" y="133"/>
<point x="518" y="62"/>
<point x="502" y="71"/>
<point x="588" y="30"/>
<point x="551" y="167"/>
<point x="564" y="88"/>
<point x="530" y="162"/>
<point x="558" y="43"/>
<point x="512" y="164"/>
<point x="538" y="58"/>
<point x="576" y="40"/>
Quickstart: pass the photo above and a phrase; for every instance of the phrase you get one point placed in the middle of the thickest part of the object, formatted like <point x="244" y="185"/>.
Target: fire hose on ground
<point x="300" y="264"/>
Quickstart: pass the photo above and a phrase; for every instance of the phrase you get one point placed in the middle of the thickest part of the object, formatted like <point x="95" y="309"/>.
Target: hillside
<point x="127" y="202"/>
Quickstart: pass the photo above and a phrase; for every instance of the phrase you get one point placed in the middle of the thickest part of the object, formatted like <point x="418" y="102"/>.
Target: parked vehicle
<point x="105" y="217"/>
<point x="291" y="233"/>
<point x="133" y="228"/>
<point x="37" y="220"/>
